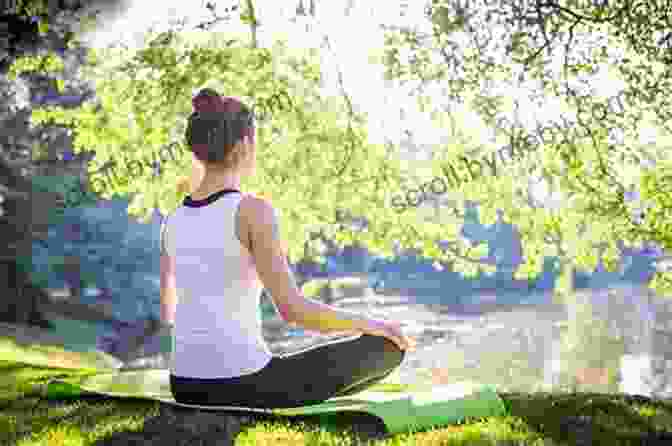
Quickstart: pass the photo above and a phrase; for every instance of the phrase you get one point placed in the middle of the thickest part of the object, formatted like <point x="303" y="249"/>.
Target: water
<point x="522" y="348"/>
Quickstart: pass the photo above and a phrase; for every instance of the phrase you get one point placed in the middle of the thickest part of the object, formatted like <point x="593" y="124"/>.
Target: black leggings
<point x="311" y="376"/>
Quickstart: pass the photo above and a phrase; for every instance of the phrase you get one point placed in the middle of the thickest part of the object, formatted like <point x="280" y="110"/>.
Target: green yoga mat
<point x="400" y="410"/>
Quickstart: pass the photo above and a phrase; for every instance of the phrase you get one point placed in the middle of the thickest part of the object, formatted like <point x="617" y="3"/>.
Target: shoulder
<point x="256" y="209"/>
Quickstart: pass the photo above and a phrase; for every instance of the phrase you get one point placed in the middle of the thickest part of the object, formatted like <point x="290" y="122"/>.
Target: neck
<point x="215" y="181"/>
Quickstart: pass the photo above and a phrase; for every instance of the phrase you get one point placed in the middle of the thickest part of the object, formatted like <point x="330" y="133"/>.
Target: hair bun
<point x="209" y="101"/>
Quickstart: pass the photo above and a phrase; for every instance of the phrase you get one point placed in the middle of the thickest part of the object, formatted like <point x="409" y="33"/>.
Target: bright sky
<point x="353" y="39"/>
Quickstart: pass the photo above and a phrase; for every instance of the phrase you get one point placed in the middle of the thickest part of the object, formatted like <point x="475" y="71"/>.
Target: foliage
<point x="587" y="150"/>
<point x="42" y="64"/>
<point x="85" y="244"/>
<point x="315" y="161"/>
<point x="313" y="155"/>
<point x="31" y="8"/>
<point x="69" y="187"/>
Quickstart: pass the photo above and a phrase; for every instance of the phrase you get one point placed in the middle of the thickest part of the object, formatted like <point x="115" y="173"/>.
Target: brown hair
<point x="216" y="126"/>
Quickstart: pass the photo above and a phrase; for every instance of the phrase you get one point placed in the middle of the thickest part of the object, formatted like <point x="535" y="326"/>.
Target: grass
<point x="533" y="419"/>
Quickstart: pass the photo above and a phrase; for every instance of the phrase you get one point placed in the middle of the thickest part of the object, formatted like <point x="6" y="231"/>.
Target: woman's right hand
<point x="390" y="330"/>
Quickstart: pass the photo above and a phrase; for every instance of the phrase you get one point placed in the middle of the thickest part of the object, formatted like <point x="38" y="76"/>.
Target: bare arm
<point x="267" y="251"/>
<point x="167" y="282"/>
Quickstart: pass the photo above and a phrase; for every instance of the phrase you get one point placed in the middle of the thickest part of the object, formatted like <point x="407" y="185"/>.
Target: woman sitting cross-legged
<point x="217" y="250"/>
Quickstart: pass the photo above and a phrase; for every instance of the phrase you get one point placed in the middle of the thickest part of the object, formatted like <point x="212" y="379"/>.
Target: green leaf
<point x="43" y="27"/>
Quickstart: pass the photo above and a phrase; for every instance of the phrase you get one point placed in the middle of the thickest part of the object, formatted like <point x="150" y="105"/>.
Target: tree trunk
<point x="253" y="22"/>
<point x="21" y="300"/>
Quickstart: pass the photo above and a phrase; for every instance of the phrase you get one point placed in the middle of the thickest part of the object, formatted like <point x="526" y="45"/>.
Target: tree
<point x="315" y="159"/>
<point x="313" y="154"/>
<point x="610" y="185"/>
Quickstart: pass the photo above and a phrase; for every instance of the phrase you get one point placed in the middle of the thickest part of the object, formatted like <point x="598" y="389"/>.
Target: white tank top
<point x="217" y="331"/>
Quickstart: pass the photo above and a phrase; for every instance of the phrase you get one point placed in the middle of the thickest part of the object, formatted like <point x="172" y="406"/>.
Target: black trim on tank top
<point x="189" y="202"/>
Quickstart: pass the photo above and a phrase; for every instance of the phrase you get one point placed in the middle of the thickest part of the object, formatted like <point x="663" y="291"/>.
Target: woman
<point x="217" y="250"/>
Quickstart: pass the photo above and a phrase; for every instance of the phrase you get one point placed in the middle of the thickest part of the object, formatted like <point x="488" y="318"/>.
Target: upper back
<point x="202" y="236"/>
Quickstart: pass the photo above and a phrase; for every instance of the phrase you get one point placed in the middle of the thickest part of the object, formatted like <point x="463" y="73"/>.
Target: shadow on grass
<point x="591" y="418"/>
<point x="162" y="424"/>
<point x="576" y="419"/>
<point x="179" y="426"/>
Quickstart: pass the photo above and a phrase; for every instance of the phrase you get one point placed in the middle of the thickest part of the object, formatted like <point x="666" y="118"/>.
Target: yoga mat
<point x="400" y="410"/>
<point x="398" y="407"/>
<point x="17" y="347"/>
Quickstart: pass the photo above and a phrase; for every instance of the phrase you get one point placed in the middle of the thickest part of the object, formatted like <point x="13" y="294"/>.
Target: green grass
<point x="533" y="419"/>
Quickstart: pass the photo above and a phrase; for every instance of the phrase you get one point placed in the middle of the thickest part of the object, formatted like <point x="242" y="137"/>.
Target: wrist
<point x="365" y="324"/>
<point x="373" y="324"/>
